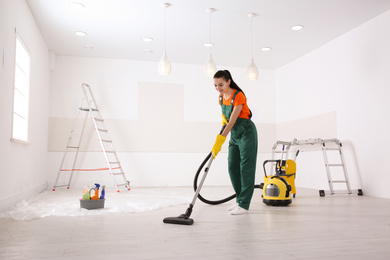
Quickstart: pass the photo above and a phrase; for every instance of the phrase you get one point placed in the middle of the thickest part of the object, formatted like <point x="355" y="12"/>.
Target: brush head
<point x="180" y="220"/>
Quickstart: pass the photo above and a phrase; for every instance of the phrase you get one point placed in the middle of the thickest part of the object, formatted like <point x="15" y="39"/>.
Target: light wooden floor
<point x="313" y="227"/>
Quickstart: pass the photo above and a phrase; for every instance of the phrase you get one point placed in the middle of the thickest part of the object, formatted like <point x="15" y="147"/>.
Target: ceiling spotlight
<point x="77" y="6"/>
<point x="266" y="49"/>
<point x="79" y="33"/>
<point x="296" y="27"/>
<point x="147" y="39"/>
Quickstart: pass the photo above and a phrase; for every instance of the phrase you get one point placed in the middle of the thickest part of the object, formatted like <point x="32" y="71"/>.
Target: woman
<point x="243" y="140"/>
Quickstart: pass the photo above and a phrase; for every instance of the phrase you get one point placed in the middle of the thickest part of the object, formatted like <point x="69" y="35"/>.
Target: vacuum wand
<point x="184" y="219"/>
<point x="206" y="170"/>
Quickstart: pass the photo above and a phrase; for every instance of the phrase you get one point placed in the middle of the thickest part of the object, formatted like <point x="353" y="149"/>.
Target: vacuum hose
<point x="211" y="202"/>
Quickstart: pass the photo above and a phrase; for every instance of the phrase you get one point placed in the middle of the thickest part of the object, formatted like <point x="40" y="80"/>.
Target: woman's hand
<point x="232" y="120"/>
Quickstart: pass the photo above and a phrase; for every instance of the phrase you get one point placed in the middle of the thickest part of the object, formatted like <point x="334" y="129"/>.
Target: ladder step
<point x="331" y="149"/>
<point x="337" y="164"/>
<point x="73" y="147"/>
<point x="61" y="186"/>
<point x="114" y="162"/>
<point x="118" y="173"/>
<point x="110" y="151"/>
<point x="106" y="141"/>
<point x="99" y="119"/>
<point x="102" y="130"/>
<point x="122" y="184"/>
<point x="338" y="181"/>
<point x="87" y="109"/>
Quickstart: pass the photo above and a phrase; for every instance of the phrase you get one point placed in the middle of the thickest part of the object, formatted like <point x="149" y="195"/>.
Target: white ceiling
<point x="115" y="28"/>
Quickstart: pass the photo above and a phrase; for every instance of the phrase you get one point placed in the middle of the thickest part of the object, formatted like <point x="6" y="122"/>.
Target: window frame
<point x="25" y="93"/>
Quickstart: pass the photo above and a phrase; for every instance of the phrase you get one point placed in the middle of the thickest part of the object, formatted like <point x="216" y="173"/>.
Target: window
<point x="21" y="92"/>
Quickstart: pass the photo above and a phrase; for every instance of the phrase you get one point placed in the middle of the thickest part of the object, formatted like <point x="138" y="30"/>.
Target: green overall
<point x="242" y="155"/>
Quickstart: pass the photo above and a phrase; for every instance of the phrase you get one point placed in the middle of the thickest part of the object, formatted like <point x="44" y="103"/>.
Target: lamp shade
<point x="164" y="67"/>
<point x="210" y="68"/>
<point x="253" y="72"/>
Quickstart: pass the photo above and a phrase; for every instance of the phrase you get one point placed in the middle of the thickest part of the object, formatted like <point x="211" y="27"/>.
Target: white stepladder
<point x="326" y="146"/>
<point x="89" y="106"/>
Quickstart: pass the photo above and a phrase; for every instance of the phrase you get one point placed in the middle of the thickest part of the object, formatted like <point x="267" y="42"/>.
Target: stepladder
<point x="89" y="109"/>
<point x="336" y="169"/>
<point x="334" y="161"/>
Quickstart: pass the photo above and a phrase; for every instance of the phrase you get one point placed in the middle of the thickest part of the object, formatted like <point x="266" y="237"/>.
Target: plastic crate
<point x="92" y="204"/>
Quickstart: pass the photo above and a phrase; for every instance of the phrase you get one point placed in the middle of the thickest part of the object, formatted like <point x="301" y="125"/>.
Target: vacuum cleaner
<point x="184" y="219"/>
<point x="277" y="189"/>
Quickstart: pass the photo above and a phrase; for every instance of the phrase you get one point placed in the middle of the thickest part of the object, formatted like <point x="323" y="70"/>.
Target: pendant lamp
<point x="253" y="72"/>
<point x="164" y="66"/>
<point x="210" y="67"/>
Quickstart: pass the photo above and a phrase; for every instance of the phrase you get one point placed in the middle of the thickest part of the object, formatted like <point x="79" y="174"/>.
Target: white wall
<point x="22" y="167"/>
<point x="348" y="77"/>
<point x="158" y="146"/>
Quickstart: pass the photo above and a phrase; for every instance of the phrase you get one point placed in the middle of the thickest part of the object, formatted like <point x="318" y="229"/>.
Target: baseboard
<point x="11" y="201"/>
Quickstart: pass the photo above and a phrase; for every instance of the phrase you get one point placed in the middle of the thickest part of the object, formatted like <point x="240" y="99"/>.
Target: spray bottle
<point x="96" y="194"/>
<point x="103" y="192"/>
<point x="86" y="195"/>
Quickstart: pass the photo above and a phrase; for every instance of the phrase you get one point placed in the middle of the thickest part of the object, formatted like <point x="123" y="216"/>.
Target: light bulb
<point x="210" y="68"/>
<point x="253" y="72"/>
<point x="164" y="67"/>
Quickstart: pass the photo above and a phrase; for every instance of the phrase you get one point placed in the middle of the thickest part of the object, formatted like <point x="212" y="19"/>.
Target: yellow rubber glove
<point x="218" y="145"/>
<point x="224" y="120"/>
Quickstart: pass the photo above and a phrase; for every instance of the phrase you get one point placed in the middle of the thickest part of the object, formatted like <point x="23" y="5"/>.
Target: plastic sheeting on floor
<point x="63" y="202"/>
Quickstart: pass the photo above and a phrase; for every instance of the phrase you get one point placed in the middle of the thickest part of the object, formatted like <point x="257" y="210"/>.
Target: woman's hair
<point x="226" y="75"/>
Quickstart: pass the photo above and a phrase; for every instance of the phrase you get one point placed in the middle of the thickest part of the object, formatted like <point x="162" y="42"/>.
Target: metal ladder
<point x="328" y="166"/>
<point x="110" y="155"/>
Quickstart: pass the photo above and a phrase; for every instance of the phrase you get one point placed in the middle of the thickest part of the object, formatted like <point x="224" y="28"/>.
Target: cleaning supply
<point x="86" y="195"/>
<point x="103" y="192"/>
<point x="86" y="189"/>
<point x="96" y="194"/>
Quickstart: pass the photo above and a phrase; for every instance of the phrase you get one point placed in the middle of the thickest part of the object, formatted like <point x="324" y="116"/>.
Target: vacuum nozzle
<point x="183" y="219"/>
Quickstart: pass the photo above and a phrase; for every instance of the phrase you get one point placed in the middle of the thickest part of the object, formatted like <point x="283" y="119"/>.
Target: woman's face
<point x="221" y="85"/>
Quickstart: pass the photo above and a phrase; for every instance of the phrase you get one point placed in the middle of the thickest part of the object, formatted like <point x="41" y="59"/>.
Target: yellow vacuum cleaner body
<point x="277" y="189"/>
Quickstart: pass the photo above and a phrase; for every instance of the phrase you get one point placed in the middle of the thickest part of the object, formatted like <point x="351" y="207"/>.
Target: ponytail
<point x="226" y="75"/>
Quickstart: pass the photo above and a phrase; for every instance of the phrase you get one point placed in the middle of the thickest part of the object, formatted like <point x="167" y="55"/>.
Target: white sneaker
<point x="238" y="211"/>
<point x="232" y="207"/>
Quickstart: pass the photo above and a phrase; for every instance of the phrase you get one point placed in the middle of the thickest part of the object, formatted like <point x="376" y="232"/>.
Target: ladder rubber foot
<point x="54" y="189"/>
<point x="67" y="188"/>
<point x="118" y="191"/>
